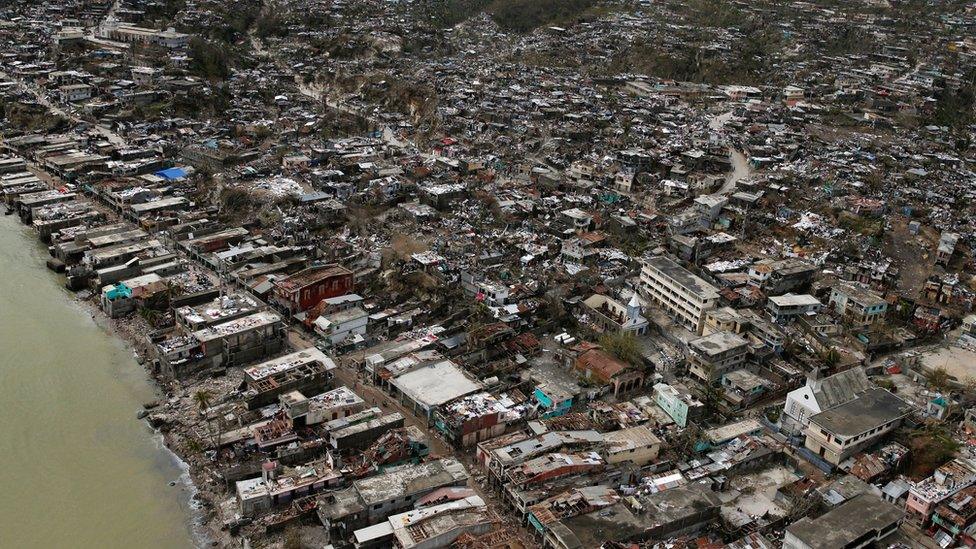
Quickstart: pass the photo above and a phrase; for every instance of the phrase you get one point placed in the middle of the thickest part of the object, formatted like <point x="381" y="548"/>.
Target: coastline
<point x="123" y="332"/>
<point x="201" y="526"/>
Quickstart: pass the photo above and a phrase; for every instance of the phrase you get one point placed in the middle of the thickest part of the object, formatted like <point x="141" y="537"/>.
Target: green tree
<point x="271" y="25"/>
<point x="938" y="379"/>
<point x="954" y="106"/>
<point x="624" y="346"/>
<point x="209" y="59"/>
<point x="525" y="15"/>
<point x="931" y="446"/>
<point x="831" y="358"/>
<point x="712" y="396"/>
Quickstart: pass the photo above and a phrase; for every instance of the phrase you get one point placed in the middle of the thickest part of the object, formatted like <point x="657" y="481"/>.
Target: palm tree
<point x="938" y="379"/>
<point x="192" y="446"/>
<point x="202" y="398"/>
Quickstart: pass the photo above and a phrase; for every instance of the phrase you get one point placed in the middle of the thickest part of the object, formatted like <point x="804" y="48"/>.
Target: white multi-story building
<point x="712" y="356"/>
<point x="820" y="394"/>
<point x="845" y="430"/>
<point x="683" y="296"/>
<point x="858" y="306"/>
<point x="338" y="327"/>
<point x="75" y="92"/>
<point x="785" y="307"/>
<point x="113" y="29"/>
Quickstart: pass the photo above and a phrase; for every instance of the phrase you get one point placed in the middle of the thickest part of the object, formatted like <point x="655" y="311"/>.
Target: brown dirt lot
<point x="914" y="260"/>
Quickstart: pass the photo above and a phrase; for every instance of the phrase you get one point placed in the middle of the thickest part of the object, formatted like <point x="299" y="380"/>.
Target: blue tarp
<point x="172" y="173"/>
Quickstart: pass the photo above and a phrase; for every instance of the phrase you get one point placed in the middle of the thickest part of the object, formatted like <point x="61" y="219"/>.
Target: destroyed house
<point x="218" y="240"/>
<point x="26" y="204"/>
<point x="361" y="435"/>
<point x="682" y="510"/>
<point x="575" y="502"/>
<point x="70" y="164"/>
<point x="221" y="309"/>
<point x="112" y="235"/>
<point x="925" y="496"/>
<point x="471" y="419"/>
<point x="308" y="371"/>
<point x="54" y="217"/>
<point x="383" y="362"/>
<point x="724" y="434"/>
<point x="499" y="460"/>
<point x="70" y="247"/>
<point x="340" y="402"/>
<point x="213" y="159"/>
<point x="555" y="473"/>
<point x="397" y="489"/>
<point x="123" y="298"/>
<point x="353" y="419"/>
<point x="392" y="449"/>
<point x="155" y="207"/>
<point x="373" y="499"/>
<point x="13" y="186"/>
<point x="234" y="342"/>
<point x="555" y="389"/>
<point x="783" y="275"/>
<point x="275" y="432"/>
<point x="272" y="489"/>
<point x="429" y="526"/>
<point x="552" y="466"/>
<point x="442" y="196"/>
<point x="117" y="255"/>
<point x="956" y="518"/>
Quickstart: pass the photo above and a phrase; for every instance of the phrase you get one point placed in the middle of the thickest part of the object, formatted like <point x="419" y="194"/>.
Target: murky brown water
<point x="76" y="468"/>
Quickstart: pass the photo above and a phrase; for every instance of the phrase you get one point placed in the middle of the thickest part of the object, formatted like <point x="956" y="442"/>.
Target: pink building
<point x="946" y="481"/>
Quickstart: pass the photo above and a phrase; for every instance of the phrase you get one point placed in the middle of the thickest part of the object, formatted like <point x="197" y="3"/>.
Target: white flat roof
<point x="243" y="324"/>
<point x="794" y="300"/>
<point x="374" y="532"/>
<point x="288" y="362"/>
<point x="436" y="384"/>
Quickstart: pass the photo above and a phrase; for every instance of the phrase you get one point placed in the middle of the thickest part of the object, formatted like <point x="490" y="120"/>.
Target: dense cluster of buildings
<point x="410" y="281"/>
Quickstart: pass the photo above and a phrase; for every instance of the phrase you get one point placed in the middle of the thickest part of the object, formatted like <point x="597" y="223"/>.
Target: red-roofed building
<point x="598" y="366"/>
<point x="305" y="289"/>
